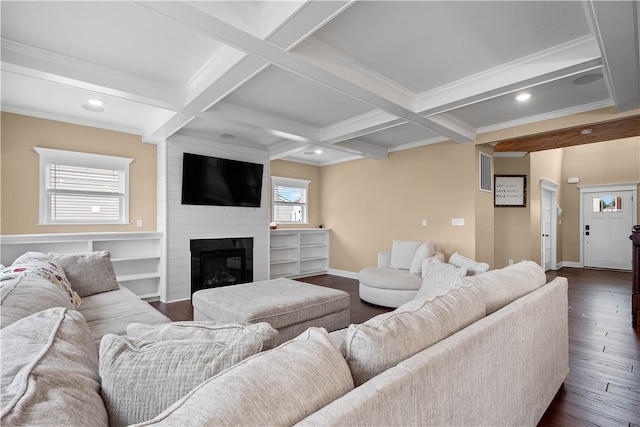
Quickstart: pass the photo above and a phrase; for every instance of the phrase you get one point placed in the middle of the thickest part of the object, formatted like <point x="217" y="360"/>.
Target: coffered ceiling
<point x="290" y="78"/>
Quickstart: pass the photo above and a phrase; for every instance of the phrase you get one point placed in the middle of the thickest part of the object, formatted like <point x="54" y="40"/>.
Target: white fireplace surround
<point x="182" y="223"/>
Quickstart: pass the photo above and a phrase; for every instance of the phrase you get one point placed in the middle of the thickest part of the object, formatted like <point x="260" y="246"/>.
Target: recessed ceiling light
<point x="523" y="97"/>
<point x="228" y="135"/>
<point x="93" y="108"/>
<point x="96" y="102"/>
<point x="318" y="151"/>
<point x="586" y="131"/>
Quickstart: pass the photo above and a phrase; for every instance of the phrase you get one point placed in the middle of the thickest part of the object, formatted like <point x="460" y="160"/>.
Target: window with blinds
<point x="82" y="188"/>
<point x="289" y="197"/>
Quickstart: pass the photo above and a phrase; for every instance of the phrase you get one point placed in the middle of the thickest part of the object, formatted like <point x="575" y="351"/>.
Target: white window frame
<point x="49" y="156"/>
<point x="291" y="182"/>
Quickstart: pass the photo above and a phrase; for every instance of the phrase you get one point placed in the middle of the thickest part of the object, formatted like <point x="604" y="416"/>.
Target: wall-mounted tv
<point x="220" y="182"/>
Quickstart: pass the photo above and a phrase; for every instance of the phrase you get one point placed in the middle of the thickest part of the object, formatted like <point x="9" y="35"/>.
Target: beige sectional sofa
<point x="491" y="351"/>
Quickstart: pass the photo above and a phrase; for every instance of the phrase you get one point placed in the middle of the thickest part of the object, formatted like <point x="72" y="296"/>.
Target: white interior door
<point x="607" y="220"/>
<point x="547" y="203"/>
<point x="548" y="224"/>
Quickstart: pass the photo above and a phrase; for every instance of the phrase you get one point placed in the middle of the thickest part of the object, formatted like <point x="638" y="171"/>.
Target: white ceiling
<point x="362" y="78"/>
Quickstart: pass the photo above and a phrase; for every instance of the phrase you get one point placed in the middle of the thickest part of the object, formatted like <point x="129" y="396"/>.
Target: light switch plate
<point x="457" y="221"/>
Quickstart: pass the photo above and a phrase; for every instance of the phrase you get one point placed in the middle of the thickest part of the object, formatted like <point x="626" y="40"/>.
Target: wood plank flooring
<point x="603" y="387"/>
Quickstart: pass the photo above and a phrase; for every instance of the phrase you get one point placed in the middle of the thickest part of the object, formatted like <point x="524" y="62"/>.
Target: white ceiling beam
<point x="616" y="27"/>
<point x="283" y="149"/>
<point x="276" y="55"/>
<point x="32" y="62"/>
<point x="561" y="61"/>
<point x="361" y="125"/>
<point x="362" y="148"/>
<point x="263" y="122"/>
<point x="232" y="67"/>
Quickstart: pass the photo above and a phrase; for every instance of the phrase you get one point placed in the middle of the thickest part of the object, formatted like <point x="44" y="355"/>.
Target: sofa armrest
<point x="384" y="259"/>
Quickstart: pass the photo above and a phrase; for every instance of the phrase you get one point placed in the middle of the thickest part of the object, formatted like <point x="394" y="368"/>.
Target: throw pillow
<point x="204" y="330"/>
<point x="503" y="286"/>
<point x="473" y="267"/>
<point x="89" y="273"/>
<point x="50" y="371"/>
<point x="402" y="252"/>
<point x="425" y="250"/>
<point x="389" y="338"/>
<point x="439" y="278"/>
<point x="140" y="379"/>
<point x="42" y="265"/>
<point x="25" y="295"/>
<point x="277" y="387"/>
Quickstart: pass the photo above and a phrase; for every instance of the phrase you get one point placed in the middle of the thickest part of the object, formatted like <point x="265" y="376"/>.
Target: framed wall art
<point x="510" y="191"/>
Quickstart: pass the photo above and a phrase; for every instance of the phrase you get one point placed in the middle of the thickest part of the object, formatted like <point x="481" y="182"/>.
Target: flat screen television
<point x="220" y="182"/>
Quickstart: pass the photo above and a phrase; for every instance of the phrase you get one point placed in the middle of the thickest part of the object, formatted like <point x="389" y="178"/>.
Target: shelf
<point x="308" y="252"/>
<point x="135" y="256"/>
<point x="284" y="261"/>
<point x="133" y="277"/>
<point x="313" y="258"/>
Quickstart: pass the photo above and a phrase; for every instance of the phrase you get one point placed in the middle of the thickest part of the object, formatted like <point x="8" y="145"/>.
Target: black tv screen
<point x="220" y="182"/>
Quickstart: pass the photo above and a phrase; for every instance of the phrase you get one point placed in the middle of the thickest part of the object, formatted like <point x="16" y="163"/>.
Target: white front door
<point x="607" y="220"/>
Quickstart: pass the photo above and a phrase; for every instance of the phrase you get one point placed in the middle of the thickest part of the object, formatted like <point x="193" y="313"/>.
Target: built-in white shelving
<point x="136" y="256"/>
<point x="298" y="252"/>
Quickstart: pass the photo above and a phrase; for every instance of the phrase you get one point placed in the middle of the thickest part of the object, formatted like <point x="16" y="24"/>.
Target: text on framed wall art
<point x="510" y="190"/>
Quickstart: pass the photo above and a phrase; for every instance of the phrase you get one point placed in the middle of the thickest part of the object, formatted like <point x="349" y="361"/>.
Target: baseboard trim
<point x="343" y="273"/>
<point x="571" y="264"/>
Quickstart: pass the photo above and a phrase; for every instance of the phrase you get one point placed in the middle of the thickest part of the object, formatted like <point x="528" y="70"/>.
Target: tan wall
<point x="485" y="217"/>
<point x="300" y="171"/>
<point x="20" y="172"/>
<point x="368" y="203"/>
<point x="608" y="162"/>
<point x="512" y="237"/>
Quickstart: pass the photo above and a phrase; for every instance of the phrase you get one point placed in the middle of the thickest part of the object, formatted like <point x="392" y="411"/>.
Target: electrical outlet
<point x="424" y="222"/>
<point x="139" y="223"/>
<point x="510" y="262"/>
<point x="457" y="221"/>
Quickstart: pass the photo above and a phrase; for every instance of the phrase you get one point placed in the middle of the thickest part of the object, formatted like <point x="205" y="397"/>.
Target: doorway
<point x="548" y="224"/>
<point x="607" y="213"/>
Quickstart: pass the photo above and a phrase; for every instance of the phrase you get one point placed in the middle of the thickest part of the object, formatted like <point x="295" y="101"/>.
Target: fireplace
<point x="221" y="262"/>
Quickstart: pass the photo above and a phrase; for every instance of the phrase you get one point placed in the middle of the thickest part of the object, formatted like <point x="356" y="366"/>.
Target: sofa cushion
<point x="439" y="278"/>
<point x="50" y="372"/>
<point x="387" y="278"/>
<point x="473" y="267"/>
<point x="89" y="273"/>
<point x="41" y="265"/>
<point x="23" y="295"/>
<point x="277" y="387"/>
<point x="425" y="250"/>
<point x="204" y="330"/>
<point x="111" y="313"/>
<point x="385" y="340"/>
<point x="506" y="285"/>
<point x="142" y="378"/>
<point x="402" y="252"/>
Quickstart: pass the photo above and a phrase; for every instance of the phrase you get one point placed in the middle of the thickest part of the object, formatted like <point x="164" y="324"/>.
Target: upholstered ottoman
<point x="289" y="306"/>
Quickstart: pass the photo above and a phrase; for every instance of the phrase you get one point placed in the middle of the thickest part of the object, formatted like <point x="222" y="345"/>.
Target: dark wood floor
<point x="603" y="387"/>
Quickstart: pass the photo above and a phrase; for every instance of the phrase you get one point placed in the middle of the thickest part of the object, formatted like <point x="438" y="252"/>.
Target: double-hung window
<point x="289" y="197"/>
<point x="83" y="188"/>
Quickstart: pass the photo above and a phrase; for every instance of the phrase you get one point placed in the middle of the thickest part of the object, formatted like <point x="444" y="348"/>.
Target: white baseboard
<point x="571" y="264"/>
<point x="343" y="273"/>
